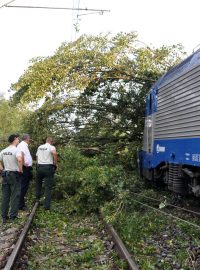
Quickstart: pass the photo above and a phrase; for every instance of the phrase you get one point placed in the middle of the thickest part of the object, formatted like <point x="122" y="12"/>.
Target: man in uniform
<point x="24" y="153"/>
<point x="11" y="182"/>
<point x="46" y="165"/>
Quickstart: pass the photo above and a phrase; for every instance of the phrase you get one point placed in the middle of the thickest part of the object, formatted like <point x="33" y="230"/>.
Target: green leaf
<point x="162" y="205"/>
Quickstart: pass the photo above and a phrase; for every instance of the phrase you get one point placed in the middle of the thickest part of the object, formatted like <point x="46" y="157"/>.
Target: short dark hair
<point x="12" y="137"/>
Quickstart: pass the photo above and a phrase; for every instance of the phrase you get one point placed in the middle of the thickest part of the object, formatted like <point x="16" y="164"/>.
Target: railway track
<point x="14" y="251"/>
<point x="182" y="222"/>
<point x="13" y="261"/>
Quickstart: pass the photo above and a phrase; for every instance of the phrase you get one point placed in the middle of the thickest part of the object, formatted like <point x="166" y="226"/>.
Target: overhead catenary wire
<point x="78" y="10"/>
<point x="58" y="8"/>
<point x="75" y="24"/>
<point x="72" y="26"/>
<point x="5" y="5"/>
<point x="91" y="13"/>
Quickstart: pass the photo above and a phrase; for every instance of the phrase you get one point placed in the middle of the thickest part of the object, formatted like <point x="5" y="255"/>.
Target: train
<point x="171" y="141"/>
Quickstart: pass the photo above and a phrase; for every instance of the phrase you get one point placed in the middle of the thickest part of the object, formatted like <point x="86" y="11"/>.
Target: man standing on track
<point x="23" y="151"/>
<point x="46" y="165"/>
<point x="11" y="178"/>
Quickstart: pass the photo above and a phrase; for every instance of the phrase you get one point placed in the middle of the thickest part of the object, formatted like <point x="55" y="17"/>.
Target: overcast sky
<point x="28" y="33"/>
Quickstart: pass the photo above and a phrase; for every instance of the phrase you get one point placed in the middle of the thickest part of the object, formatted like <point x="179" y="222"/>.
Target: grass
<point x="60" y="240"/>
<point x="155" y="240"/>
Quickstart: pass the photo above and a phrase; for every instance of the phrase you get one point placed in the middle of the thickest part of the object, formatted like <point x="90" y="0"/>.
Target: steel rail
<point x="18" y="245"/>
<point x="122" y="250"/>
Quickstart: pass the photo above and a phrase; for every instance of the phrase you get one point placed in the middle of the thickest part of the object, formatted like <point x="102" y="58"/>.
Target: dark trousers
<point x="10" y="194"/>
<point x="25" y="179"/>
<point x="44" y="173"/>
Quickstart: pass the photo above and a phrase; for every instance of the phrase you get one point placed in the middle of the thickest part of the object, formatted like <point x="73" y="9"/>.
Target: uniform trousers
<point x="10" y="194"/>
<point x="44" y="173"/>
<point x="25" y="177"/>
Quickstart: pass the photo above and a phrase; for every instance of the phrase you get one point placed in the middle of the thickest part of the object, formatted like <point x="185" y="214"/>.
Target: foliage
<point x="66" y="241"/>
<point x="11" y="120"/>
<point x="91" y="94"/>
<point x="92" y="91"/>
<point x="151" y="237"/>
<point x="86" y="181"/>
<point x="90" y="61"/>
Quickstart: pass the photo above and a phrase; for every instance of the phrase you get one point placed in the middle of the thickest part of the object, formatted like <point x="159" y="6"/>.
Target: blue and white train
<point x="171" y="144"/>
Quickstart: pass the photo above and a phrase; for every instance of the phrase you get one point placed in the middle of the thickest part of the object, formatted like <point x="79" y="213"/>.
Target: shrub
<point x="85" y="181"/>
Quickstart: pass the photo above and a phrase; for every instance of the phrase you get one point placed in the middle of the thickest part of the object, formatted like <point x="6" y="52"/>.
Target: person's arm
<point x="55" y="157"/>
<point x="37" y="156"/>
<point x="20" y="155"/>
<point x="1" y="162"/>
<point x="20" y="163"/>
<point x="1" y="166"/>
<point x="23" y="161"/>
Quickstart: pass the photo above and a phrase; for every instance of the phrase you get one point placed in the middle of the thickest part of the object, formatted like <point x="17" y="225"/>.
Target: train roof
<point x="179" y="69"/>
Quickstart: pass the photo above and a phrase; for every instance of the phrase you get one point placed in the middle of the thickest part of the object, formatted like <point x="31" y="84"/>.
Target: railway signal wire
<point x="168" y="204"/>
<point x="168" y="214"/>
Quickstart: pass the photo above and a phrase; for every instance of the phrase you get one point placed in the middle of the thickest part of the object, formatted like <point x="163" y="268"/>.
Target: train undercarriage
<point x="180" y="179"/>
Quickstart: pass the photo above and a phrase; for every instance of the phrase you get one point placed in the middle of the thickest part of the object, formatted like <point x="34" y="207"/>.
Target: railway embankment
<point x="159" y="235"/>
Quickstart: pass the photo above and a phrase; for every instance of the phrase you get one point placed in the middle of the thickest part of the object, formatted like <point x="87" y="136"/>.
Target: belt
<point x="44" y="165"/>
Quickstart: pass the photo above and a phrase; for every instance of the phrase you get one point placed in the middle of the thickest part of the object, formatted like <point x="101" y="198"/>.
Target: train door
<point x="146" y="155"/>
<point x="149" y="123"/>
